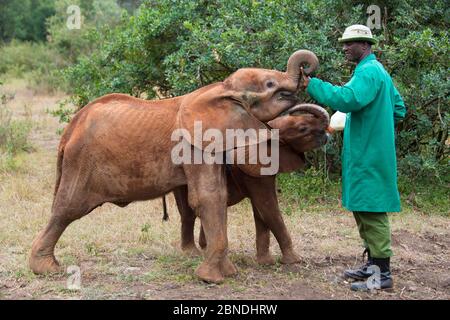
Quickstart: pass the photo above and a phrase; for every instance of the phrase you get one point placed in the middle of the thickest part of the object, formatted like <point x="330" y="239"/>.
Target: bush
<point x="13" y="138"/>
<point x="96" y="17"/>
<point x="34" y="61"/>
<point x="25" y="19"/>
<point x="419" y="63"/>
<point x="41" y="62"/>
<point x="308" y="188"/>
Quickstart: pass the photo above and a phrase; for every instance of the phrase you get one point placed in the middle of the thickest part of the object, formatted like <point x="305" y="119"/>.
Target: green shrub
<point x="41" y="62"/>
<point x="25" y="19"/>
<point x="14" y="136"/>
<point x="36" y="62"/>
<point x="97" y="16"/>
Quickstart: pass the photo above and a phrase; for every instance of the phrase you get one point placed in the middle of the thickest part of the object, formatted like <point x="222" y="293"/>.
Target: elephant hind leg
<point x="187" y="222"/>
<point x="265" y="204"/>
<point x="42" y="259"/>
<point x="263" y="255"/>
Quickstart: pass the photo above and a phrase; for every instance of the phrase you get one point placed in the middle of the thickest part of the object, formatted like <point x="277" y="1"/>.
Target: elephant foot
<point x="290" y="258"/>
<point x="191" y="250"/>
<point x="209" y="274"/>
<point x="228" y="268"/>
<point x="44" y="264"/>
<point x="266" y="259"/>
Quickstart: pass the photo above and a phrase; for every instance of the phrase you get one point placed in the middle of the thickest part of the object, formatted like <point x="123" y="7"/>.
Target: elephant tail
<point x="59" y="162"/>
<point x="165" y="214"/>
<point x="59" y="169"/>
<point x="62" y="145"/>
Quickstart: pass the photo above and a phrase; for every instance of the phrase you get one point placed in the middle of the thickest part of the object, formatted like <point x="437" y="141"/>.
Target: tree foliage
<point x="97" y="16"/>
<point x="24" y="19"/>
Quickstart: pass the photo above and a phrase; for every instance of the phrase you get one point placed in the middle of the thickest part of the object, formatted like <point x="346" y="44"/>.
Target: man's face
<point x="354" y="50"/>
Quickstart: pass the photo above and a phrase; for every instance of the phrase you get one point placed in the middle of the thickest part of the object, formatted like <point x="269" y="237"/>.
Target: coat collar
<point x="366" y="59"/>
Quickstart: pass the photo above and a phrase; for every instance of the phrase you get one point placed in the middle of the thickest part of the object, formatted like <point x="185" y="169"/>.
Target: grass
<point x="431" y="196"/>
<point x="308" y="189"/>
<point x="131" y="253"/>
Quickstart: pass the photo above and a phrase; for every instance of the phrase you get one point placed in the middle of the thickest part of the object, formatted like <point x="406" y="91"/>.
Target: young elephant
<point x="118" y="149"/>
<point x="299" y="133"/>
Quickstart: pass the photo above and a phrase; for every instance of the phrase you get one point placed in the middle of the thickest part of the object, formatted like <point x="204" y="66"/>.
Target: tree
<point x="25" y="19"/>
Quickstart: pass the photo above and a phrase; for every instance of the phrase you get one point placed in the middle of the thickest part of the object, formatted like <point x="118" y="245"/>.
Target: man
<point x="369" y="169"/>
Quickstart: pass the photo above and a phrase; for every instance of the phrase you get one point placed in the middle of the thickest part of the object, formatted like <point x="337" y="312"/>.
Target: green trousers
<point x="375" y="230"/>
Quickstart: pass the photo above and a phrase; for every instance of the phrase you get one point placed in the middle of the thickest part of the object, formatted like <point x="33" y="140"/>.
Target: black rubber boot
<point x="378" y="282"/>
<point x="362" y="272"/>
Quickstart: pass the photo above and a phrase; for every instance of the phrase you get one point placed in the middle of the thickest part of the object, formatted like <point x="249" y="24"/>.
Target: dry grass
<point x="130" y="253"/>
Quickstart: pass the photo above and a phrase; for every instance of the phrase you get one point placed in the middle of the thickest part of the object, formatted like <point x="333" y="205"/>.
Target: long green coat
<point x="373" y="106"/>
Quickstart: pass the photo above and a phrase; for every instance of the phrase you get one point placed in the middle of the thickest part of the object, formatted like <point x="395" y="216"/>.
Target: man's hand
<point x="304" y="79"/>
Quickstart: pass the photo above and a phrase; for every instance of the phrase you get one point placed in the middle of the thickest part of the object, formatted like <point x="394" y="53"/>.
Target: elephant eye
<point x="302" y="129"/>
<point x="270" y="84"/>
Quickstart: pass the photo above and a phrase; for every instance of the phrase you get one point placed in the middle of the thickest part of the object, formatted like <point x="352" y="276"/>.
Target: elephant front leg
<point x="227" y="267"/>
<point x="216" y="264"/>
<point x="207" y="194"/>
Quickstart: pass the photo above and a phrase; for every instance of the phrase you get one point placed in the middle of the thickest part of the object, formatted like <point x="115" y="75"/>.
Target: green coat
<point x="373" y="106"/>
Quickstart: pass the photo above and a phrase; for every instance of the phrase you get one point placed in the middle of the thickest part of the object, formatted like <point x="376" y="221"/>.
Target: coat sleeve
<point x="353" y="96"/>
<point x="399" y="107"/>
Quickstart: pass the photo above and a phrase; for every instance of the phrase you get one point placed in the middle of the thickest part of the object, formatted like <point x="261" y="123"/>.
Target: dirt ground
<point x="130" y="253"/>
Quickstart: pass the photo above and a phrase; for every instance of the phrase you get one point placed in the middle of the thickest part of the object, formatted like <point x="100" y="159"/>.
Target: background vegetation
<point x="167" y="48"/>
<point x="13" y="137"/>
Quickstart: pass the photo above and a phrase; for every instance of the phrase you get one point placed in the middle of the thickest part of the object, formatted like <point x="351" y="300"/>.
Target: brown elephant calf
<point x="119" y="149"/>
<point x="298" y="133"/>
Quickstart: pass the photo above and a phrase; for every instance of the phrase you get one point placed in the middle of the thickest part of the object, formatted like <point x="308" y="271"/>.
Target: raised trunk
<point x="301" y="58"/>
<point x="314" y="109"/>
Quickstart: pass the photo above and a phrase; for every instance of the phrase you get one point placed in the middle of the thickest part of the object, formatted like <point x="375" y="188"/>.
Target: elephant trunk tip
<point x="301" y="58"/>
<point x="313" y="109"/>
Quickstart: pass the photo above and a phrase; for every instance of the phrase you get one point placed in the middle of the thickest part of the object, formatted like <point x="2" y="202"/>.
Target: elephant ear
<point x="213" y="110"/>
<point x="290" y="160"/>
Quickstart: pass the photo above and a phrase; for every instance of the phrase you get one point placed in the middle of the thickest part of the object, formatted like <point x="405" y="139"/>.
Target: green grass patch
<point x="427" y="196"/>
<point x="311" y="189"/>
<point x="300" y="190"/>
<point x="177" y="268"/>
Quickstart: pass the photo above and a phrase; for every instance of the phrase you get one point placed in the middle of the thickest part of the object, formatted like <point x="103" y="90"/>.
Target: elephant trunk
<point x="298" y="59"/>
<point x="314" y="109"/>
